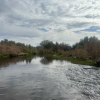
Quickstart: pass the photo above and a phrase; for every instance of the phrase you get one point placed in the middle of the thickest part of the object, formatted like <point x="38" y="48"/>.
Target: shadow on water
<point x="14" y="60"/>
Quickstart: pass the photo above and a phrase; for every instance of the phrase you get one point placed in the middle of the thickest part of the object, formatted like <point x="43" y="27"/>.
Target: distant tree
<point x="81" y="42"/>
<point x="86" y="39"/>
<point x="46" y="44"/>
<point x="56" y="46"/>
<point x="75" y="45"/>
<point x="6" y="40"/>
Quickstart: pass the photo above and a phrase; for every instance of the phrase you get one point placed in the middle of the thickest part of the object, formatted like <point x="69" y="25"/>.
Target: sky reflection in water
<point x="40" y="78"/>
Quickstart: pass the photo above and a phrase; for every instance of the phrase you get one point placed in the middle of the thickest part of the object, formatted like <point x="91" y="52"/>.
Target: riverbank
<point x="76" y="60"/>
<point x="16" y="55"/>
<point x="71" y="59"/>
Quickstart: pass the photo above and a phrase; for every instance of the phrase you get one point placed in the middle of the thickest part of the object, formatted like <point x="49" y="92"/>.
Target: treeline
<point x="12" y="48"/>
<point x="49" y="47"/>
<point x="87" y="48"/>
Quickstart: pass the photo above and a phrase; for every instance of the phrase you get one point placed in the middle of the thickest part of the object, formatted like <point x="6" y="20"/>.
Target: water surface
<point x="40" y="78"/>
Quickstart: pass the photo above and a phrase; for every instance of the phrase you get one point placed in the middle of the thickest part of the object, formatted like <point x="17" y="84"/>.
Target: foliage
<point x="46" y="44"/>
<point x="86" y="48"/>
<point x="12" y="48"/>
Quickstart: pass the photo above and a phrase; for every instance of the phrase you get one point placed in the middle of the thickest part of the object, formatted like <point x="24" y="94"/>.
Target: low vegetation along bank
<point x="16" y="55"/>
<point x="86" y="51"/>
<point x="77" y="60"/>
<point x="13" y="49"/>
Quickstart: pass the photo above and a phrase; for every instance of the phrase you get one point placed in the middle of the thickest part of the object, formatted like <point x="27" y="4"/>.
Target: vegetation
<point x="11" y="48"/>
<point x="77" y="60"/>
<point x="86" y="51"/>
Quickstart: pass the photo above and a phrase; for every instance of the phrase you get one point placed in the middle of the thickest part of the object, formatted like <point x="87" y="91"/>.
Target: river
<point x="40" y="78"/>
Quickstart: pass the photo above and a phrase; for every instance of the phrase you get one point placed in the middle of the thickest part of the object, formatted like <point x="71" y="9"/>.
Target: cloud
<point x="50" y="19"/>
<point x="77" y="25"/>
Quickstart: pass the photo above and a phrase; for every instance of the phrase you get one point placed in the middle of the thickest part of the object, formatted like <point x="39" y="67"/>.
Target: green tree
<point x="46" y="44"/>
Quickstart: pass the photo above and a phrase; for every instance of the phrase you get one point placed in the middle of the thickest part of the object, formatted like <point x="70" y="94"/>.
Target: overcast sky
<point x="31" y="21"/>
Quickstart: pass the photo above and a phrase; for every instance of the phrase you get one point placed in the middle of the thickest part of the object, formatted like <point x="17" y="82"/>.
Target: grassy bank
<point x="71" y="59"/>
<point x="16" y="55"/>
<point x="76" y="60"/>
<point x="3" y="56"/>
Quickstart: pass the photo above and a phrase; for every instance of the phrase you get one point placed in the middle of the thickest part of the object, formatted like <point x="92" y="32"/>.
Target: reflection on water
<point x="9" y="61"/>
<point x="46" y="60"/>
<point x="41" y="78"/>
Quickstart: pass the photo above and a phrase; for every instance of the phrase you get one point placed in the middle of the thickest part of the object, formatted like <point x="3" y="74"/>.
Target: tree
<point x="86" y="39"/>
<point x="46" y="44"/>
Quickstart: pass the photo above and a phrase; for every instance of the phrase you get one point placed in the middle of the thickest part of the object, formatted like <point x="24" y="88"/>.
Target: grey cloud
<point x="14" y="17"/>
<point x="7" y="6"/>
<point x="37" y="1"/>
<point x="20" y="35"/>
<point x="14" y="35"/>
<point x="72" y="25"/>
<point x="21" y="16"/>
<point x="40" y="22"/>
<point x="59" y="30"/>
<point x="30" y="22"/>
<point x="60" y="11"/>
<point x="7" y="10"/>
<point x="92" y="16"/>
<point x="43" y="6"/>
<point x="3" y="6"/>
<point x="17" y="31"/>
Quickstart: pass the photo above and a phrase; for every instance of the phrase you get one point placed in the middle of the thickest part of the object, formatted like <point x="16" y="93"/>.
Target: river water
<point x="40" y="78"/>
